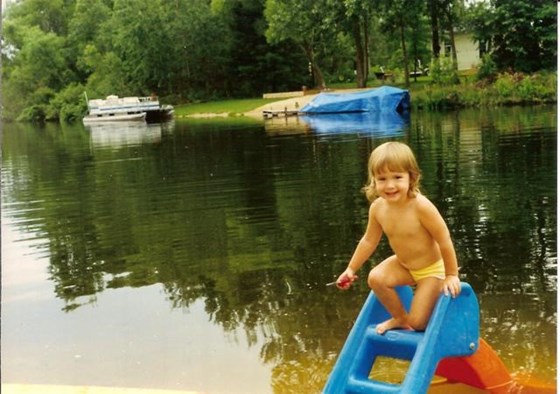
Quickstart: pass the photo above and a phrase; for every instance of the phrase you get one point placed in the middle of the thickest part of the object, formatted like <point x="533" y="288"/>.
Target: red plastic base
<point x="484" y="370"/>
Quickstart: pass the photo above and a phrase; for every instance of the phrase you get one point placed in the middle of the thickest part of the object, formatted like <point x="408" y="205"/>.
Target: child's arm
<point x="363" y="251"/>
<point x="451" y="284"/>
<point x="433" y="221"/>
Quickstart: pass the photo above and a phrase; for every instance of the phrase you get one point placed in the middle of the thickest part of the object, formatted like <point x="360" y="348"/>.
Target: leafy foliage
<point x="488" y="69"/>
<point x="519" y="34"/>
<point x="443" y="72"/>
<point x="508" y="89"/>
<point x="193" y="50"/>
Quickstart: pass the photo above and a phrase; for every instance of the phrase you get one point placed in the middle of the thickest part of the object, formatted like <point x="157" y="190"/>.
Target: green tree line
<point x="190" y="50"/>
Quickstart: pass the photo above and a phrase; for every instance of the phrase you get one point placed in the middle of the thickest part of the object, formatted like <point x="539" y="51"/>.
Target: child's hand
<point x="451" y="285"/>
<point x="346" y="279"/>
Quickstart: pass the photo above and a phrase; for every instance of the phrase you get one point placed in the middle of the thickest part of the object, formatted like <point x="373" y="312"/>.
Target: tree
<point x="444" y="17"/>
<point x="354" y="17"/>
<point x="520" y="35"/>
<point x="258" y="66"/>
<point x="307" y="23"/>
<point x="478" y="20"/>
<point x="39" y="61"/>
<point x="50" y="16"/>
<point x="402" y="17"/>
<point x="545" y="26"/>
<point x="448" y="9"/>
<point x="141" y="40"/>
<point x="36" y="73"/>
<point x="418" y="39"/>
<point x="523" y="34"/>
<point x="433" y="10"/>
<point x="86" y="29"/>
<point x="201" y="44"/>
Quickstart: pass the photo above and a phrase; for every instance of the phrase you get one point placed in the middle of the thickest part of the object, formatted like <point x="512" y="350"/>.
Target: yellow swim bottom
<point x="436" y="270"/>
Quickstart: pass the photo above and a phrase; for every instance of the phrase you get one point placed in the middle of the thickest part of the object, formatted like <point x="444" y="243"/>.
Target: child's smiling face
<point x="393" y="186"/>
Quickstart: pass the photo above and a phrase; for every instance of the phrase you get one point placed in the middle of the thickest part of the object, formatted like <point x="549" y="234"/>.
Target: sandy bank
<point x="55" y="389"/>
<point x="293" y="104"/>
<point x="290" y="104"/>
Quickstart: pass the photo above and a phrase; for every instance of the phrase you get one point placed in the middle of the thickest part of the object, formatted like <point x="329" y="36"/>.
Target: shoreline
<point x="289" y="104"/>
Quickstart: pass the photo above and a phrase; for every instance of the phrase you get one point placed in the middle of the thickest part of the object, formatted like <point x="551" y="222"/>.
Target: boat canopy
<point x="383" y="99"/>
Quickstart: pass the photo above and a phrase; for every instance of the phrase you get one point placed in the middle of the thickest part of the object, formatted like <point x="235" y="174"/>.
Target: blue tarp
<point x="383" y="99"/>
<point x="385" y="123"/>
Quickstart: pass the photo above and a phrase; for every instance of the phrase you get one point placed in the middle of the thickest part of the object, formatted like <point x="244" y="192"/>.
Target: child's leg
<point x="425" y="297"/>
<point x="382" y="280"/>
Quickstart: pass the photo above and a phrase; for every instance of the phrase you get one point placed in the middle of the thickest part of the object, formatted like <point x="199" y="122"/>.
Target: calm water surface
<point x="194" y="255"/>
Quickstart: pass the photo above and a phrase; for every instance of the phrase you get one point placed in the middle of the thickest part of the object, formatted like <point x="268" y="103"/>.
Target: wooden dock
<point x="278" y="113"/>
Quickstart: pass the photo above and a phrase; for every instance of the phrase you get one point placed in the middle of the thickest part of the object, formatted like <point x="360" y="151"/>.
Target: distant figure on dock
<point x="424" y="252"/>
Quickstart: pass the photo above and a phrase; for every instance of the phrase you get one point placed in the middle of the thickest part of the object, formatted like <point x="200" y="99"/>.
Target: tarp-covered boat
<point x="383" y="99"/>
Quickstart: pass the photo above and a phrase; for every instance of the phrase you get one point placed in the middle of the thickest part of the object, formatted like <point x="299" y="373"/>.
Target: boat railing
<point x="148" y="98"/>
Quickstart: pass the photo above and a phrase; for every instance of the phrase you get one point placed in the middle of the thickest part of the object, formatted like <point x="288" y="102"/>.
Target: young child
<point x="424" y="253"/>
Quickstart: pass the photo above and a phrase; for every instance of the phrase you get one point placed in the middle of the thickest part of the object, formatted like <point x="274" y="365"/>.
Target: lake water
<point x="194" y="255"/>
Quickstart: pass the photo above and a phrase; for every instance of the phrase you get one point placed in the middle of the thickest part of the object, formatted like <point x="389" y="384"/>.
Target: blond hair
<point x="392" y="156"/>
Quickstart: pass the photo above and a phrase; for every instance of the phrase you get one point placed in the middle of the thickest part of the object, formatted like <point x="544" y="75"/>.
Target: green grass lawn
<point x="234" y="106"/>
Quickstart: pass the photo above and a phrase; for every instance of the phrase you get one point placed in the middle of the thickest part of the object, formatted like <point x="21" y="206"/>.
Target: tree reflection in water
<point x="256" y="224"/>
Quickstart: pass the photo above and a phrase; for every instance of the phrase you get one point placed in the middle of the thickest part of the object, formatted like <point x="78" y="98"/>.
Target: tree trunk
<point x="415" y="56"/>
<point x="405" y="57"/>
<point x="453" y="48"/>
<point x="358" y="43"/>
<point x="366" y="50"/>
<point x="450" y="22"/>
<point x="433" y="9"/>
<point x="318" y="78"/>
<point x="449" y="15"/>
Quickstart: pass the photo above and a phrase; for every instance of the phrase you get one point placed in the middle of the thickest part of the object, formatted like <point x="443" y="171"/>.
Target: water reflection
<point x="382" y="124"/>
<point x="242" y="228"/>
<point x="124" y="133"/>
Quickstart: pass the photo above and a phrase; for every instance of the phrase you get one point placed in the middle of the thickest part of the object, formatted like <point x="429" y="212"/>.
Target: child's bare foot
<point x="391" y="324"/>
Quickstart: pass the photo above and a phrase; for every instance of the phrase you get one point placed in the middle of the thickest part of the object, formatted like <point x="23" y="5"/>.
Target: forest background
<point x="199" y="50"/>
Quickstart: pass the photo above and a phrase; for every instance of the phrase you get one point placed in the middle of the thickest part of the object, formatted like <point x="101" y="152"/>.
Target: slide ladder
<point x="453" y="331"/>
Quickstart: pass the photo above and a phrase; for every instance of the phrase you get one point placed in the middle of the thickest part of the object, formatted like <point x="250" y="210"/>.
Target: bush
<point x="508" y="89"/>
<point x="37" y="108"/>
<point x="68" y="105"/>
<point x="438" y="98"/>
<point x="34" y="113"/>
<point x="546" y="86"/>
<point x="443" y="72"/>
<point x="517" y="88"/>
<point x="505" y="84"/>
<point x="487" y="69"/>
